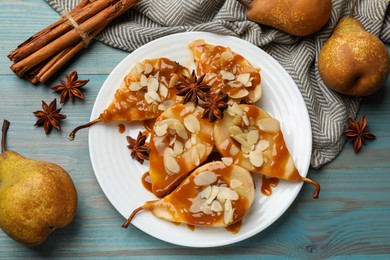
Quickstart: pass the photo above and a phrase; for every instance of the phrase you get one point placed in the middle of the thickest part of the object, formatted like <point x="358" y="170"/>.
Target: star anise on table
<point x="49" y="117"/>
<point x="70" y="87"/>
<point x="215" y="106"/>
<point x="140" y="149"/>
<point x="192" y="88"/>
<point x="358" y="132"/>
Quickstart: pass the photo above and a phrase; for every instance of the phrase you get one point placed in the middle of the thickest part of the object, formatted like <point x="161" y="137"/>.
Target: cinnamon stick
<point x="63" y="41"/>
<point x="42" y="37"/>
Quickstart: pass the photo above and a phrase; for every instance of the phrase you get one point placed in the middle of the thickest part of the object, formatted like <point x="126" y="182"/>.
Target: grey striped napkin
<point x="328" y="111"/>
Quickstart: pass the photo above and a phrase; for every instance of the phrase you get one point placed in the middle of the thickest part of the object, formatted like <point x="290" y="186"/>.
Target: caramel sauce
<point x="121" y="128"/>
<point x="191" y="227"/>
<point x="214" y="63"/>
<point x="267" y="185"/>
<point x="188" y="189"/>
<point x="276" y="157"/>
<point x="234" y="228"/>
<point x="148" y="124"/>
<point x="131" y="105"/>
<point x="164" y="182"/>
<point x="146" y="182"/>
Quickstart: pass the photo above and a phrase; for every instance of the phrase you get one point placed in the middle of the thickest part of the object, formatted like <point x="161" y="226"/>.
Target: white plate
<point x="120" y="176"/>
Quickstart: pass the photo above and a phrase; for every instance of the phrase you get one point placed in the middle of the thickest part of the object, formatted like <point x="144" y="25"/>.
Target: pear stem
<point x="245" y="4"/>
<point x="4" y="130"/>
<point x="353" y="8"/>
<point x="318" y="187"/>
<point x="73" y="133"/>
<point x="128" y="221"/>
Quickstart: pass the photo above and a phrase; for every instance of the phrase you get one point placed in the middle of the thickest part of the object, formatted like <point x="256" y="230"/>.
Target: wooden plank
<point x="350" y="220"/>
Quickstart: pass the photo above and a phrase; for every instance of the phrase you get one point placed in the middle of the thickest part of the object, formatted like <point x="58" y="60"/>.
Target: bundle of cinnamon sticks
<point x="43" y="54"/>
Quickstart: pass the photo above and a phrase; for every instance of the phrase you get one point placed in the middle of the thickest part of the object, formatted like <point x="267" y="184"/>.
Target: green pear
<point x="296" y="17"/>
<point x="353" y="61"/>
<point x="36" y="197"/>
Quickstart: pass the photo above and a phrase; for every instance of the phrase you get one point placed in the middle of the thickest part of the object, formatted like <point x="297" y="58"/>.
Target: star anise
<point x="49" y="117"/>
<point x="358" y="132"/>
<point x="192" y="89"/>
<point x="139" y="146"/>
<point x="215" y="106"/>
<point x="70" y="87"/>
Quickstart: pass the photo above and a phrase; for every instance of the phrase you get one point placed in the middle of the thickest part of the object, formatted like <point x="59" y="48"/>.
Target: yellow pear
<point x="216" y="195"/>
<point x="353" y="61"/>
<point x="296" y="17"/>
<point x="36" y="197"/>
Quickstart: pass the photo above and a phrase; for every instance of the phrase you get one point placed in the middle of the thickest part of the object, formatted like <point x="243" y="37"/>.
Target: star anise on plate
<point x="70" y="87"/>
<point x="139" y="146"/>
<point x="215" y="106"/>
<point x="192" y="88"/>
<point x="49" y="117"/>
<point x="358" y="132"/>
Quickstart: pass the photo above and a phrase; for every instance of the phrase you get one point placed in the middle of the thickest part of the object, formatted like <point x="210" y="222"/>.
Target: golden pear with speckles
<point x="353" y="61"/>
<point x="295" y="17"/>
<point x="36" y="197"/>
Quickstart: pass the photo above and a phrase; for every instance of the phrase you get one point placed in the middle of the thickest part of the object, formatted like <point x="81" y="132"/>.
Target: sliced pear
<point x="255" y="141"/>
<point x="213" y="195"/>
<point x="180" y="141"/>
<point x="146" y="91"/>
<point x="227" y="71"/>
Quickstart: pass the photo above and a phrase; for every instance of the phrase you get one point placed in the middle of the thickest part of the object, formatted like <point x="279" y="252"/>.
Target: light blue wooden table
<point x="350" y="220"/>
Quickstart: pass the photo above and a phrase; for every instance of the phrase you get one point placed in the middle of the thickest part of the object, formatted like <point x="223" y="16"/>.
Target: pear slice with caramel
<point x="146" y="91"/>
<point x="213" y="195"/>
<point x="227" y="71"/>
<point x="180" y="141"/>
<point x="254" y="140"/>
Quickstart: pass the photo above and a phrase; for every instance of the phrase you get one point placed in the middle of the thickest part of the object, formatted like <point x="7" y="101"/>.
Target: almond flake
<point x="180" y="130"/>
<point x="140" y="67"/>
<point x="152" y="84"/>
<point x="235" y="109"/>
<point x="135" y="86"/>
<point x="148" y="99"/>
<point x="213" y="194"/>
<point x="195" y="156"/>
<point x="201" y="150"/>
<point x="228" y="194"/>
<point x="205" y="178"/>
<point x="235" y="130"/>
<point x="160" y="130"/>
<point x="227" y="55"/>
<point x="192" y="123"/>
<point x="227" y="160"/>
<point x="178" y="148"/>
<point x="269" y="125"/>
<point x="239" y="94"/>
<point x="227" y="75"/>
<point x="252" y="137"/>
<point x="244" y="78"/>
<point x="216" y="206"/>
<point x="173" y="81"/>
<point x="262" y="145"/>
<point x="234" y="150"/>
<point x="171" y="164"/>
<point x="228" y="212"/>
<point x="153" y="95"/>
<point x="256" y="158"/>
<point x="148" y="68"/>
<point x="205" y="193"/>
<point x="207" y="209"/>
<point x="163" y="91"/>
<point x="197" y="206"/>
<point x="143" y="81"/>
